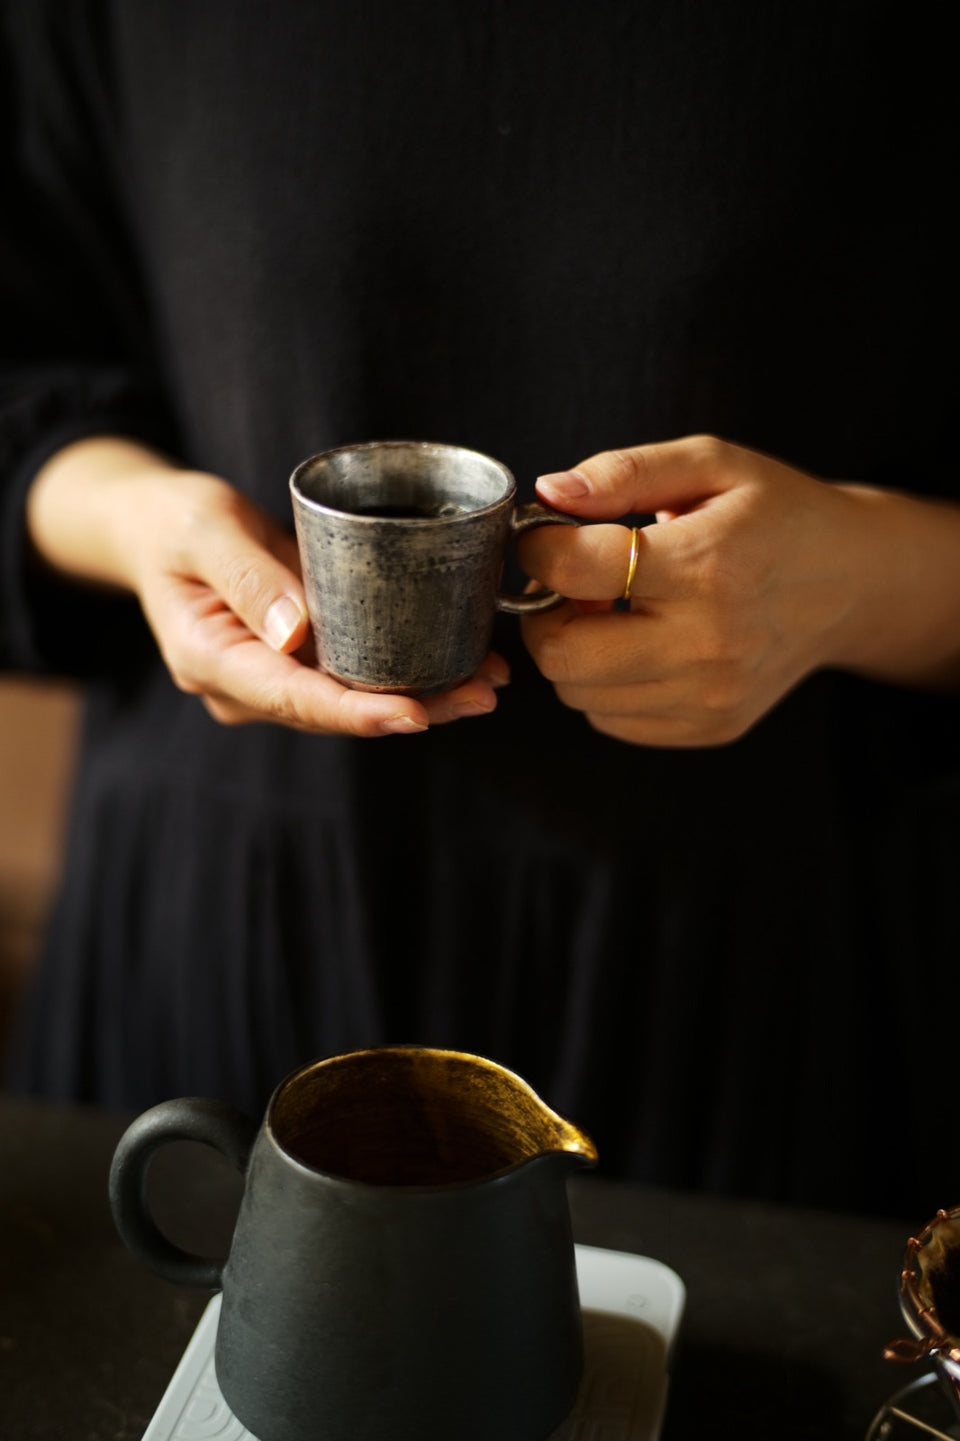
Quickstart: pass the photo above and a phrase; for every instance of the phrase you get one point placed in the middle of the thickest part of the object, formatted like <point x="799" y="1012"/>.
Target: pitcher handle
<point x="190" y="1118"/>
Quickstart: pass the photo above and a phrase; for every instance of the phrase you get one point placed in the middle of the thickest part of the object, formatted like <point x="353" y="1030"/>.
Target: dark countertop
<point x="787" y="1311"/>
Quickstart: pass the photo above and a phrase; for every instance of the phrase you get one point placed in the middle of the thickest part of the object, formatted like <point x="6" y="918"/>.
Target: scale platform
<point x="631" y="1305"/>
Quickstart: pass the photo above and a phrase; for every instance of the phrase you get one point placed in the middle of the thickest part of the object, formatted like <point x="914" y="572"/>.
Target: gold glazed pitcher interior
<point x="412" y="1116"/>
<point x="402" y="1267"/>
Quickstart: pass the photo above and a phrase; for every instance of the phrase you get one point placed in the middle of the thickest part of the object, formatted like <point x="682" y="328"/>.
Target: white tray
<point x="632" y="1307"/>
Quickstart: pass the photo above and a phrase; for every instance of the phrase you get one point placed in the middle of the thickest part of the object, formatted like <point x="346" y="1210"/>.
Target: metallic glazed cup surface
<point x="401" y="545"/>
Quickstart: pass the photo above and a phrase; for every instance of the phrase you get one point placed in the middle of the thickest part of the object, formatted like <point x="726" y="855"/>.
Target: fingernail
<point x="495" y="678"/>
<point x="563" y="484"/>
<point x="281" y="621"/>
<point x="401" y="725"/>
<point x="475" y="707"/>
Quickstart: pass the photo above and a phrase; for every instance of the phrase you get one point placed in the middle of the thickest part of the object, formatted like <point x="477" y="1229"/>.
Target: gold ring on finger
<point x="632" y="564"/>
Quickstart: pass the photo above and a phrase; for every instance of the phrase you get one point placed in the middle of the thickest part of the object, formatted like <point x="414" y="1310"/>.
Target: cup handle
<point x="525" y="517"/>
<point x="188" y="1119"/>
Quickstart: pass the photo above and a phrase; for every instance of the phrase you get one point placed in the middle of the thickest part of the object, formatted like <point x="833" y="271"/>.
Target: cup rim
<point x="432" y="446"/>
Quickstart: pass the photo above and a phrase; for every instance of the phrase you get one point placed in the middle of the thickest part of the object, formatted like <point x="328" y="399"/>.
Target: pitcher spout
<point x="566" y="1139"/>
<point x="529" y="1129"/>
<point x="580" y="1148"/>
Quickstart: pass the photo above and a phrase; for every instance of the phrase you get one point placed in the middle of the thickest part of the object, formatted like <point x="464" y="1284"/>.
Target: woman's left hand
<point x="754" y="576"/>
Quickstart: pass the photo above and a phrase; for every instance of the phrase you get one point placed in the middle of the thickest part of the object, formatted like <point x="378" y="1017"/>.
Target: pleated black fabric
<point x="246" y="233"/>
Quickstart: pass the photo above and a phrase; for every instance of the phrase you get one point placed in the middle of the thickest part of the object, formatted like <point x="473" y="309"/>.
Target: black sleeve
<point x="77" y="350"/>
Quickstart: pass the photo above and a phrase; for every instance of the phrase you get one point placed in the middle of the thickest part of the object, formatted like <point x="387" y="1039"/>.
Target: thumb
<point x="244" y="568"/>
<point x="672" y="475"/>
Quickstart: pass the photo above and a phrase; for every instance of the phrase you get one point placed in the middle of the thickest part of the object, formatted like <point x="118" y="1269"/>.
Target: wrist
<point x="91" y="507"/>
<point x="903" y="622"/>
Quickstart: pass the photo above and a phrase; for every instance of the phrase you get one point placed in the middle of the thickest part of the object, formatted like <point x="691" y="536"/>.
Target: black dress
<point x="247" y="233"/>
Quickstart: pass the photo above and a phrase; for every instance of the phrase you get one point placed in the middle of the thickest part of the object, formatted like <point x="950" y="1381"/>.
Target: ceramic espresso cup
<point x="402" y="1267"/>
<point x="402" y="544"/>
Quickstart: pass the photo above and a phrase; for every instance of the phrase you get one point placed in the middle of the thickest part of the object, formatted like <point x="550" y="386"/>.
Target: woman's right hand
<point x="219" y="583"/>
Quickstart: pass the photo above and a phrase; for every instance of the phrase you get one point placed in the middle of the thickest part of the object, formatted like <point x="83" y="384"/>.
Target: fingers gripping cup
<point x="402" y="544"/>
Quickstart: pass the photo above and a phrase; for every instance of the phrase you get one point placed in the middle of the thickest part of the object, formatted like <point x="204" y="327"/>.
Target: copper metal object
<point x="929" y="1289"/>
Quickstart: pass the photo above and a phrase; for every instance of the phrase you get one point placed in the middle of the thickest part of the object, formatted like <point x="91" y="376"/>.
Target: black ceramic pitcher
<point x="402" y="1267"/>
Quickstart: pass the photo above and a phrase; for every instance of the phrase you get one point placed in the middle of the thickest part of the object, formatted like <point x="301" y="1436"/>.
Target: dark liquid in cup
<point x="432" y="510"/>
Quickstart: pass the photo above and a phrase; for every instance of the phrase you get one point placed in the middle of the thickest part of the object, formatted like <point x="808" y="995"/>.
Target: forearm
<point x="79" y="507"/>
<point x="904" y="627"/>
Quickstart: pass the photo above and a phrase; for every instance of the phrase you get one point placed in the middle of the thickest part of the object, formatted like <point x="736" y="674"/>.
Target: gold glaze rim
<point x="576" y="1144"/>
